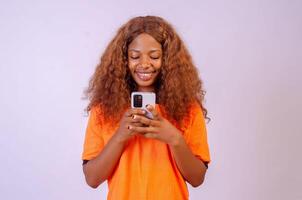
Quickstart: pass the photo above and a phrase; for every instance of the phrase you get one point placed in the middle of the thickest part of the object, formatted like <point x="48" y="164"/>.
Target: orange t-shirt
<point x="146" y="169"/>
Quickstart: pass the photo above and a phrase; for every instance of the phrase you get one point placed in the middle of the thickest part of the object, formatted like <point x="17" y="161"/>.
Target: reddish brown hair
<point x="178" y="84"/>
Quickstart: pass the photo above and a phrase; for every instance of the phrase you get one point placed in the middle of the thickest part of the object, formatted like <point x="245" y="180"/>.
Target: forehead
<point x="144" y="42"/>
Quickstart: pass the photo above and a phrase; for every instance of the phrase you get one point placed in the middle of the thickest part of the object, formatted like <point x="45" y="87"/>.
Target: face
<point x="144" y="61"/>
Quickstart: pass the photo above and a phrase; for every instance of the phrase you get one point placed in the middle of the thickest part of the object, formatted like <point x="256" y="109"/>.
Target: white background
<point x="249" y="54"/>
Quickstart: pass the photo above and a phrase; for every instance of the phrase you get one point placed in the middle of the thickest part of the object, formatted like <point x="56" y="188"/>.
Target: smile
<point x="145" y="76"/>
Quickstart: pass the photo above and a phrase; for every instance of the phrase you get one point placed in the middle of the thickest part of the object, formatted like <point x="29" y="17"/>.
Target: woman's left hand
<point x="156" y="128"/>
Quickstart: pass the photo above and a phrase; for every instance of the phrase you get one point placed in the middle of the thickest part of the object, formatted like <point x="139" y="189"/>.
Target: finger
<point x="138" y="124"/>
<point x="147" y="129"/>
<point x="145" y="120"/>
<point x="151" y="135"/>
<point x="132" y="129"/>
<point x="135" y="111"/>
<point x="130" y="132"/>
<point x="153" y="111"/>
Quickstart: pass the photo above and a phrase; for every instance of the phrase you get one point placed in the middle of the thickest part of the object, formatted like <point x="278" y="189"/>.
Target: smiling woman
<point x="143" y="158"/>
<point x="144" y="61"/>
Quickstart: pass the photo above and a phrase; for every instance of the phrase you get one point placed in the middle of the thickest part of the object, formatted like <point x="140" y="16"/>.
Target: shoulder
<point x="194" y="114"/>
<point x="195" y="109"/>
<point x="95" y="110"/>
<point x="96" y="115"/>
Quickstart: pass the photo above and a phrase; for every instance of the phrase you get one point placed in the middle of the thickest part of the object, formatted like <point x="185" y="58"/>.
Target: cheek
<point x="157" y="64"/>
<point x="131" y="65"/>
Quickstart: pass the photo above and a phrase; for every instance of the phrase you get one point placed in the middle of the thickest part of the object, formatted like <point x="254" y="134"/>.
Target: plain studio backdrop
<point x="248" y="54"/>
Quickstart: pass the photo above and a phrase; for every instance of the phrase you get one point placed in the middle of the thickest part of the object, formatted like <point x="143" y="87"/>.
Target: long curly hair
<point x="177" y="87"/>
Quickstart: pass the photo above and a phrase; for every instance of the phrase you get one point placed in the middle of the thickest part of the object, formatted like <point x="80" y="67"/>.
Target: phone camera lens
<point x="138" y="101"/>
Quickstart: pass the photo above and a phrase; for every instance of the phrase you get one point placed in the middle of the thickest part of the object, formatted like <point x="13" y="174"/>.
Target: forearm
<point x="100" y="168"/>
<point x="192" y="169"/>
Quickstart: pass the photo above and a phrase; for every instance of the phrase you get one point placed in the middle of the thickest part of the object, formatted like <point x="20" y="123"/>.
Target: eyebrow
<point x="151" y="51"/>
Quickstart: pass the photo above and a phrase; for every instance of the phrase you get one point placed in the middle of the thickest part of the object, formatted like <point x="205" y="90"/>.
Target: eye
<point x="134" y="57"/>
<point x="155" y="57"/>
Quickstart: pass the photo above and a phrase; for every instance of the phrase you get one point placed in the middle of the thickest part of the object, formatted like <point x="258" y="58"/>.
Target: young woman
<point x="144" y="158"/>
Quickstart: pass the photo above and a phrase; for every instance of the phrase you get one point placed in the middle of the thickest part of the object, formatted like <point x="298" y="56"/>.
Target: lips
<point x="144" y="76"/>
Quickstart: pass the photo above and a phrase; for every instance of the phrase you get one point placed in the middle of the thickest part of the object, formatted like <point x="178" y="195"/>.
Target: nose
<point x="145" y="62"/>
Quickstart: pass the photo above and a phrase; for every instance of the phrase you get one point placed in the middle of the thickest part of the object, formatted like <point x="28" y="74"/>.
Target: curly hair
<point x="177" y="87"/>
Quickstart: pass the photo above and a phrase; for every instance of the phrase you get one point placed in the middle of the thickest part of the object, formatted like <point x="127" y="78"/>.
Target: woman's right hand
<point x="124" y="133"/>
<point x="111" y="153"/>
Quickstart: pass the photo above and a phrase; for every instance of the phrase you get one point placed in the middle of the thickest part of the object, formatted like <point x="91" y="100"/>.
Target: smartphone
<point x="141" y="100"/>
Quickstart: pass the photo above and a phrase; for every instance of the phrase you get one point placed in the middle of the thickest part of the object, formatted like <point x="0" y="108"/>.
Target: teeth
<point x="144" y="76"/>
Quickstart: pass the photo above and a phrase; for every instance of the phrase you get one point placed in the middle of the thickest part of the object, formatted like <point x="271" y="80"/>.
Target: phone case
<point x="148" y="98"/>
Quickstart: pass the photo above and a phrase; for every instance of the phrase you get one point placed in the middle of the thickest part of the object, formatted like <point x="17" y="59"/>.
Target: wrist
<point x="119" y="139"/>
<point x="176" y="140"/>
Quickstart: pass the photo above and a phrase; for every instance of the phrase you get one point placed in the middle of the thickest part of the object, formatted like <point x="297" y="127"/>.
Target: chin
<point x="145" y="84"/>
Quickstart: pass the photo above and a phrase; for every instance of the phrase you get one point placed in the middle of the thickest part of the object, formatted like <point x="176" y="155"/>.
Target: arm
<point x="102" y="166"/>
<point x="192" y="168"/>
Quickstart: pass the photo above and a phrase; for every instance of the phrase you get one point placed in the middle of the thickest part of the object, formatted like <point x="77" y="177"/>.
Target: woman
<point x="144" y="158"/>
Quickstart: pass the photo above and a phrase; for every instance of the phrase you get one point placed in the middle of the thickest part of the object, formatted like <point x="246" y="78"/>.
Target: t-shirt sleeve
<point x="196" y="135"/>
<point x="94" y="141"/>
